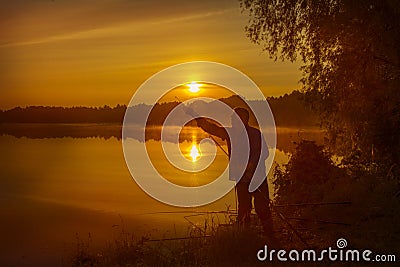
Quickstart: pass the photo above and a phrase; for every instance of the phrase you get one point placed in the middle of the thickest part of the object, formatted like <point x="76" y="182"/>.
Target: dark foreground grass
<point x="211" y="244"/>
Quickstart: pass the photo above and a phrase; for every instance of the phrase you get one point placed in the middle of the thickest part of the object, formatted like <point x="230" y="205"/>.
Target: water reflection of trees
<point x="286" y="137"/>
<point x="49" y="130"/>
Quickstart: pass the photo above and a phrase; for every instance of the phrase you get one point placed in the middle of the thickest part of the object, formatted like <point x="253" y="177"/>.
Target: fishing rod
<point x="218" y="144"/>
<point x="186" y="212"/>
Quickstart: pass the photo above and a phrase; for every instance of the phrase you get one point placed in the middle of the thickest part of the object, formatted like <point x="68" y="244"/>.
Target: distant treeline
<point x="289" y="111"/>
<point x="40" y="114"/>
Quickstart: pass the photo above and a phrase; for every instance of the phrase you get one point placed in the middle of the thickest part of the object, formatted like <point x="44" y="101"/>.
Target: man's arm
<point x="212" y="128"/>
<point x="207" y="126"/>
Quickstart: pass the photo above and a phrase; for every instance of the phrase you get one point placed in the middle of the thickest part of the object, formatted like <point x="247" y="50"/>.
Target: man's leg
<point x="261" y="205"/>
<point x="244" y="199"/>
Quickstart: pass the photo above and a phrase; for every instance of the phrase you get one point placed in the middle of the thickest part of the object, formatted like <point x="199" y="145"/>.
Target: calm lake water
<point x="55" y="189"/>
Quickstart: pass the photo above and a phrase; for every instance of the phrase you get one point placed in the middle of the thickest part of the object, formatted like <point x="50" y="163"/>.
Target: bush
<point x="307" y="175"/>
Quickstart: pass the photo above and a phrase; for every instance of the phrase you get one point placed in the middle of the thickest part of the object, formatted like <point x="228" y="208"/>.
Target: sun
<point x="194" y="153"/>
<point x="194" y="87"/>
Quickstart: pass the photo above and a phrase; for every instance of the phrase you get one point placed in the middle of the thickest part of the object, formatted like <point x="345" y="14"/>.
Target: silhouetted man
<point x="258" y="151"/>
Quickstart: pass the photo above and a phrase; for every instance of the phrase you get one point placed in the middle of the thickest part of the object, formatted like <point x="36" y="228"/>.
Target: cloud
<point x="37" y="22"/>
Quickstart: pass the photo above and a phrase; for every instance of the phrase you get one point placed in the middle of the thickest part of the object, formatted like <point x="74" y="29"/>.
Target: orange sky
<point x="93" y="53"/>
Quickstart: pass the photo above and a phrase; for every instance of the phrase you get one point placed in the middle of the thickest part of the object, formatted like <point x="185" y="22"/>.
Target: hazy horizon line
<point x="119" y="104"/>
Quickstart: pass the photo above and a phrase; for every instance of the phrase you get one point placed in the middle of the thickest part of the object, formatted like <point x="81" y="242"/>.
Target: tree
<point x="351" y="65"/>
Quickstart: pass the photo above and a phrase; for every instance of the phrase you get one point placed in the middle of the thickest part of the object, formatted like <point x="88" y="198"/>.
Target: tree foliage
<point x="351" y="71"/>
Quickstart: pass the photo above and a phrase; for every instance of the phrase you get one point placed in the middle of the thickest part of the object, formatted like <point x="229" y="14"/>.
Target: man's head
<point x="243" y="115"/>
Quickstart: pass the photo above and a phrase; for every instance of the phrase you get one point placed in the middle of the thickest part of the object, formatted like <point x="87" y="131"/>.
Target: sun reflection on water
<point x="194" y="153"/>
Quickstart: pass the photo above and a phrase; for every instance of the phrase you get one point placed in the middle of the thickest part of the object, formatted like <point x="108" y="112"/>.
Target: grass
<point x="214" y="242"/>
